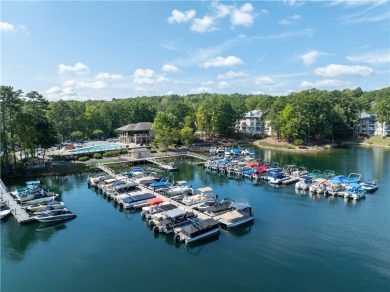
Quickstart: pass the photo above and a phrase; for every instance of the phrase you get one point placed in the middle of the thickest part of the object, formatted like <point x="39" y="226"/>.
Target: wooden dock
<point x="20" y="214"/>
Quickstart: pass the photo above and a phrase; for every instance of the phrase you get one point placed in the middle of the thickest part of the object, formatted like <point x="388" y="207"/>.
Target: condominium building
<point x="368" y="125"/>
<point x="253" y="123"/>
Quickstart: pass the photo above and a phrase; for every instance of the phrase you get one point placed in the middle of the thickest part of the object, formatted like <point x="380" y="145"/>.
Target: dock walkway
<point x="17" y="211"/>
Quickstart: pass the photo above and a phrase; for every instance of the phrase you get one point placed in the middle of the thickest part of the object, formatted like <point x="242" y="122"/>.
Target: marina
<point x="304" y="238"/>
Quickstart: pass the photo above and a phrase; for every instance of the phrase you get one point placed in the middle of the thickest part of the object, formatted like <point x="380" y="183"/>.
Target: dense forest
<point x="29" y="121"/>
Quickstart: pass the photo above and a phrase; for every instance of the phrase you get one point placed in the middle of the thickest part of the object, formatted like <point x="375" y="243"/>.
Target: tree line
<point x="29" y="121"/>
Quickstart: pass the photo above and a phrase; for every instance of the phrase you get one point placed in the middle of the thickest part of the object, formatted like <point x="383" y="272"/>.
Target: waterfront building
<point x="253" y="123"/>
<point x="136" y="133"/>
<point x="369" y="126"/>
<point x="140" y="152"/>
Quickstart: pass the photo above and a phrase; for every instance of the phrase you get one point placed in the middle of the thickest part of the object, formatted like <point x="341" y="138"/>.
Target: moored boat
<point x="197" y="230"/>
<point x="370" y="186"/>
<point x="56" y="215"/>
<point x="4" y="210"/>
<point x="241" y="213"/>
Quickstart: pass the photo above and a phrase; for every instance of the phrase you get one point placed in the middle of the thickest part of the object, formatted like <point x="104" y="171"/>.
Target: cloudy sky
<point x="103" y="50"/>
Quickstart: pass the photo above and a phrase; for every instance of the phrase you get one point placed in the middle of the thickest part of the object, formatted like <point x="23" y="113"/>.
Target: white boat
<point x="4" y="210"/>
<point x="42" y="205"/>
<point x="197" y="230"/>
<point x="241" y="213"/>
<point x="201" y="195"/>
<point x="278" y="178"/>
<point x="56" y="215"/>
<point x="304" y="182"/>
<point x="180" y="187"/>
<point x="50" y="207"/>
<point x="370" y="186"/>
<point x="148" y="212"/>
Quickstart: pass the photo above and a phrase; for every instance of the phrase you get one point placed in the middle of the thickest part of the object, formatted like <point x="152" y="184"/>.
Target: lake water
<point x="297" y="242"/>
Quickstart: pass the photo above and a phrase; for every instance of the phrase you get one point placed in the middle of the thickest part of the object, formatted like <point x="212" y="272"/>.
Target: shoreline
<point x="312" y="149"/>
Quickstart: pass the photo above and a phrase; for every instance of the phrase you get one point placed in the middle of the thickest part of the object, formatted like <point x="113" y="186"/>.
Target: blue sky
<point x="102" y="50"/>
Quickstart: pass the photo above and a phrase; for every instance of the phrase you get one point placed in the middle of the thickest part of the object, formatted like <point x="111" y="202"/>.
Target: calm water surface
<point x="297" y="242"/>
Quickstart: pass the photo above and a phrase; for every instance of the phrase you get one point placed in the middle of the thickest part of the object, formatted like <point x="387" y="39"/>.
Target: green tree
<point x="76" y="135"/>
<point x="97" y="133"/>
<point x="165" y="129"/>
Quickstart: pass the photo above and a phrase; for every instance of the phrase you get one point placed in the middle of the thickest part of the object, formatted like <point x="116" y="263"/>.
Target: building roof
<point x="253" y="114"/>
<point x="143" y="149"/>
<point x="144" y="126"/>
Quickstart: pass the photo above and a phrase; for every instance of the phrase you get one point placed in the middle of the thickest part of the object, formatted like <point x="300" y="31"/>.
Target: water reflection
<point x="241" y="230"/>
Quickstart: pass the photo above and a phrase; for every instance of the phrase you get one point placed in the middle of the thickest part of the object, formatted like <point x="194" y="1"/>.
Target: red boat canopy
<point x="155" y="201"/>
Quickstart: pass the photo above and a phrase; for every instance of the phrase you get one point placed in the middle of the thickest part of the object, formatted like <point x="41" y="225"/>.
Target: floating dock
<point x="17" y="211"/>
<point x="290" y="181"/>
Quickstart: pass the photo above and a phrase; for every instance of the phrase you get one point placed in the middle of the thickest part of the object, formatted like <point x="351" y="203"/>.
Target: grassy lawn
<point x="377" y="140"/>
<point x="283" y="146"/>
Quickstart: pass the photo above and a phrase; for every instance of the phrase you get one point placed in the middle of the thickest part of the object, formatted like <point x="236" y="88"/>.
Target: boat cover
<point x="155" y="201"/>
<point x="124" y="186"/>
<point x="204" y="190"/>
<point x="199" y="227"/>
<point x="231" y="215"/>
<point x="241" y="206"/>
<point x="111" y="180"/>
<point x="119" y="182"/>
<point x="167" y="207"/>
<point x="175" y="212"/>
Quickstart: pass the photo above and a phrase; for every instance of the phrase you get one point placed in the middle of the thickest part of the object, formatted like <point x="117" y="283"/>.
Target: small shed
<point x="141" y="152"/>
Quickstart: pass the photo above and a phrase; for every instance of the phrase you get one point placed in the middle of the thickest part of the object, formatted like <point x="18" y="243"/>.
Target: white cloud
<point x="207" y="83"/>
<point x="179" y="17"/>
<point x="311" y="56"/>
<point x="264" y="80"/>
<point x="290" y="19"/>
<point x="374" y="57"/>
<point x="78" y="68"/>
<point x="326" y="83"/>
<point x="232" y="75"/>
<point x="139" y="73"/>
<point x="222" y="62"/>
<point x="243" y="16"/>
<point x="6" y="27"/>
<point x="296" y="17"/>
<point x="285" y="22"/>
<point x="143" y="80"/>
<point x="223" y="84"/>
<point x="293" y="3"/>
<point x="203" y="24"/>
<point x="200" y="90"/>
<point x="336" y="70"/>
<point x="220" y="10"/>
<point x="170" y="92"/>
<point x="86" y="85"/>
<point x="53" y="90"/>
<point x="161" y="79"/>
<point x="169" y="68"/>
<point x="105" y="75"/>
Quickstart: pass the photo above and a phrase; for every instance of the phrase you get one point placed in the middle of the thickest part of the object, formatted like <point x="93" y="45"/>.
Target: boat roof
<point x="175" y="212"/>
<point x="320" y="180"/>
<point x="241" y="206"/>
<point x="204" y="190"/>
<point x="123" y="186"/>
<point x="119" y="182"/>
<point x="111" y="180"/>
<point x="306" y="177"/>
